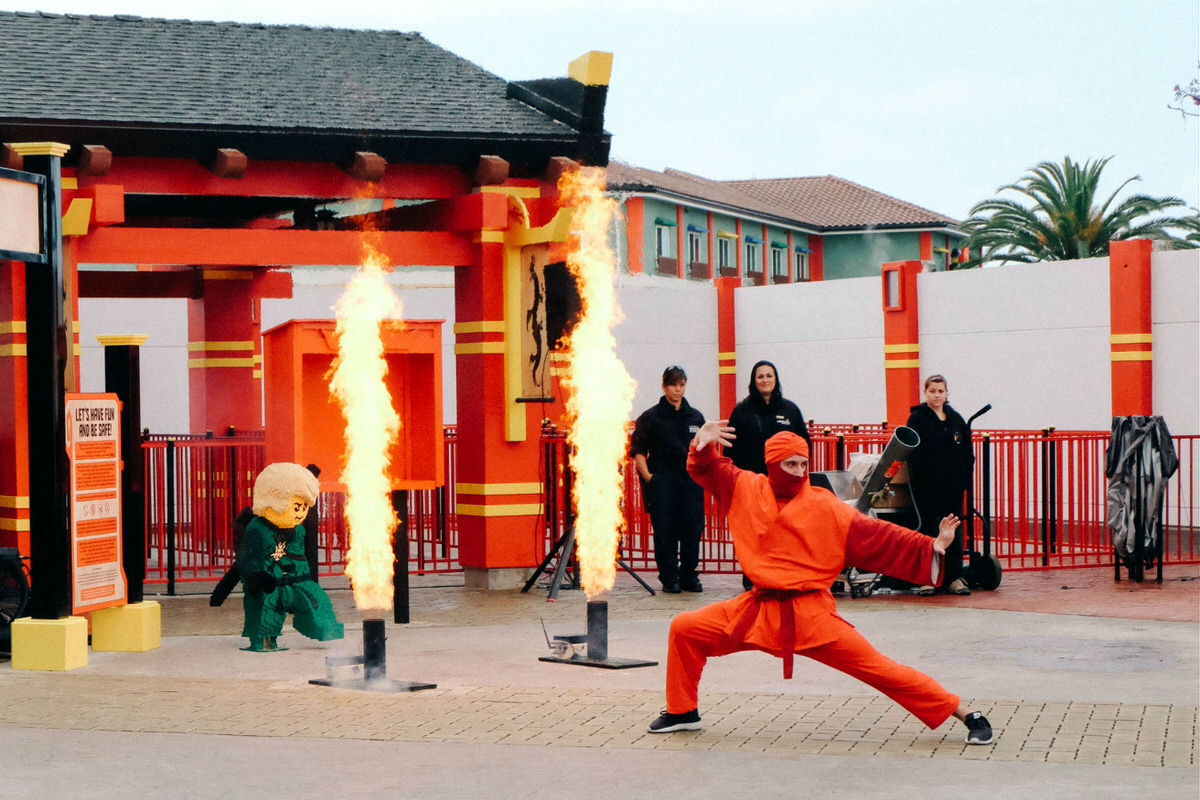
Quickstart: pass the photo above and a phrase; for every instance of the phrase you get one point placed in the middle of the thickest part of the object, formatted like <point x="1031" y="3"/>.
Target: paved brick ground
<point x="199" y="684"/>
<point x="1143" y="735"/>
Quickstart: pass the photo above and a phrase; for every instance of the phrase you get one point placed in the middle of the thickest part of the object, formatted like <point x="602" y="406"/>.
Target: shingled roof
<point x="824" y="203"/>
<point x="389" y="91"/>
<point x="831" y="202"/>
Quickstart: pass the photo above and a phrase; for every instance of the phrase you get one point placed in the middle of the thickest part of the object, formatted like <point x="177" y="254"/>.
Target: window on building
<point x="663" y="237"/>
<point x="724" y="253"/>
<point x="696" y="252"/>
<point x="753" y="263"/>
<point x="778" y="261"/>
<point x="801" y="266"/>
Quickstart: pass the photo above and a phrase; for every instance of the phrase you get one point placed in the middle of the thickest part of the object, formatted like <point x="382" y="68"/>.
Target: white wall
<point x="1174" y="300"/>
<point x="1032" y="340"/>
<point x="826" y="340"/>
<point x="669" y="322"/>
<point x="163" y="355"/>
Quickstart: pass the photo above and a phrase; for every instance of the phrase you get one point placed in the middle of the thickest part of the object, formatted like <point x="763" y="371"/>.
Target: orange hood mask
<point x="779" y="447"/>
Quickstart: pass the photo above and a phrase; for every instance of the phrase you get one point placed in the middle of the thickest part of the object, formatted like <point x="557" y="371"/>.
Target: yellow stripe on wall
<point x="498" y="488"/>
<point x="195" y="363"/>
<point x="13" y="501"/>
<point x="1134" y="355"/>
<point x="727" y="370"/>
<point x="902" y="348"/>
<point x="1130" y="338"/>
<point x="482" y="326"/>
<point x="194" y="346"/>
<point x="510" y="510"/>
<point x="12" y="350"/>
<point x="899" y="364"/>
<point x="467" y="348"/>
<point x="14" y="525"/>
<point x="16" y="326"/>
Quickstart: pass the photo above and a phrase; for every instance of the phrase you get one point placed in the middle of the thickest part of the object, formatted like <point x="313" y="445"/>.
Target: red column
<point x="926" y="246"/>
<point x="498" y="480"/>
<point x="737" y="249"/>
<point x="224" y="354"/>
<point x="712" y="241"/>
<point x="1130" y="340"/>
<point x="901" y="348"/>
<point x="680" y="241"/>
<point x="635" y="234"/>
<point x="727" y="393"/>
<point x="14" y="410"/>
<point x="816" y="259"/>
<point x="790" y="255"/>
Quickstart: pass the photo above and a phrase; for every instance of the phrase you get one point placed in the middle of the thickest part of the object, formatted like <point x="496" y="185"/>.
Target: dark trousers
<point x="933" y="503"/>
<point x="676" y="506"/>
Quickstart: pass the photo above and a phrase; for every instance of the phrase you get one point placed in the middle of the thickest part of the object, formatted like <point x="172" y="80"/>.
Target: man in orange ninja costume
<point x="792" y="540"/>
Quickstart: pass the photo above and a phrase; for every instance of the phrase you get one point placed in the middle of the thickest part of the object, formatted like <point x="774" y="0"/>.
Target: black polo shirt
<point x="662" y="434"/>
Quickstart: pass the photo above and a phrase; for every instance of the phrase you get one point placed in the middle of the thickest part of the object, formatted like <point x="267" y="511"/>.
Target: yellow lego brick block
<point x="132" y="628"/>
<point x="592" y="69"/>
<point x="49" y="644"/>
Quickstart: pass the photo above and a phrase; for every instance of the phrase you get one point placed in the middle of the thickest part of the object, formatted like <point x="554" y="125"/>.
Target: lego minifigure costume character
<point x="272" y="562"/>
<point x="792" y="540"/>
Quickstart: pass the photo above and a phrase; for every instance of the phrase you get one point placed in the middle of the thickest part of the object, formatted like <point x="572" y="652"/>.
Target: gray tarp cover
<point x="1141" y="458"/>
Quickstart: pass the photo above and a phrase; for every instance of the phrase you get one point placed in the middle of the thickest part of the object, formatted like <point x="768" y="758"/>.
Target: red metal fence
<point x="1043" y="493"/>
<point x="195" y="486"/>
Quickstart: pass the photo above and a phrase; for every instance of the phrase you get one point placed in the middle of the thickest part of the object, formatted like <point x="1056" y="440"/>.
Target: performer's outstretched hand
<point x="715" y="431"/>
<point x="945" y="535"/>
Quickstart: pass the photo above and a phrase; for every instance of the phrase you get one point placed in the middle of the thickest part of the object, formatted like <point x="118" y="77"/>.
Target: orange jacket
<point x="802" y="547"/>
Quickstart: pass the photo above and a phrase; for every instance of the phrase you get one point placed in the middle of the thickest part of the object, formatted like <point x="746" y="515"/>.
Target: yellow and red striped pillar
<point x="224" y="355"/>
<point x="727" y="393"/>
<point x="901" y="345"/>
<point x="1130" y="340"/>
<point x="14" y="422"/>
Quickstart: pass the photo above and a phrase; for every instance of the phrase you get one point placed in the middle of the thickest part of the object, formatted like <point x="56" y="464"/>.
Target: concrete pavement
<point x="1086" y="704"/>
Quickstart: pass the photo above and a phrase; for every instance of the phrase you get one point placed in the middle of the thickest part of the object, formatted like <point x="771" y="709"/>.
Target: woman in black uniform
<point x="938" y="473"/>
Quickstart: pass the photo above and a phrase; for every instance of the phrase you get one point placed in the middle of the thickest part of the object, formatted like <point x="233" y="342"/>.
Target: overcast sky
<point x="938" y="102"/>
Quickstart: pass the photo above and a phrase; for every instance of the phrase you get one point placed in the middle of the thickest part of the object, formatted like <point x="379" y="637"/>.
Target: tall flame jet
<point x="372" y="426"/>
<point x="600" y="390"/>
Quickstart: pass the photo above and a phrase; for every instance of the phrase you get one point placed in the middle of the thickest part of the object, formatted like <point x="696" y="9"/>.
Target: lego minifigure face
<point x="289" y="517"/>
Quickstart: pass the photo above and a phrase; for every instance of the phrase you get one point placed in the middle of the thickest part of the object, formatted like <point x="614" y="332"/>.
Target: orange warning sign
<point x="94" y="446"/>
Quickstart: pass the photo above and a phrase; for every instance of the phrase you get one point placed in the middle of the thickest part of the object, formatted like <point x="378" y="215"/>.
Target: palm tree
<point x="1064" y="222"/>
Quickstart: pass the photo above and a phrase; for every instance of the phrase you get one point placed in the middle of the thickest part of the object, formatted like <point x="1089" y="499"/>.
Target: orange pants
<point x="698" y="635"/>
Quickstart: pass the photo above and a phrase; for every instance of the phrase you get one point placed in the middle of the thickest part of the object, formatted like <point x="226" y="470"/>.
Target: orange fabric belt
<point x="787" y="621"/>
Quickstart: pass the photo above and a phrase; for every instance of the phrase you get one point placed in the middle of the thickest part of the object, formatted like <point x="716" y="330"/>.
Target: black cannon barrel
<point x="904" y="440"/>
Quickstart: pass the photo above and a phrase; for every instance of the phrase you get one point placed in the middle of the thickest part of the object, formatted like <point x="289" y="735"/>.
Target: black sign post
<point x="47" y="352"/>
<point x="122" y="377"/>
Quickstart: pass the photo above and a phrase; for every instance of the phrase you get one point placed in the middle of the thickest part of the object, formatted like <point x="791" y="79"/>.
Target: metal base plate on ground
<point x="606" y="663"/>
<point x="384" y="686"/>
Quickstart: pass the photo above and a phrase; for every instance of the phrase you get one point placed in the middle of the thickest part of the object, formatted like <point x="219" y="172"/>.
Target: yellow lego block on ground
<point x="133" y="628"/>
<point x="49" y="644"/>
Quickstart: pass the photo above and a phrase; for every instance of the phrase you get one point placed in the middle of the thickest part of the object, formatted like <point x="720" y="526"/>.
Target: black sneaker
<point x="668" y="723"/>
<point x="979" y="730"/>
<point x="671" y="587"/>
<point x="693" y="585"/>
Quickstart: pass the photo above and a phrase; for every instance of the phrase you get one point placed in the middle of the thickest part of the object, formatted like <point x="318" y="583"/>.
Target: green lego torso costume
<point x="279" y="553"/>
